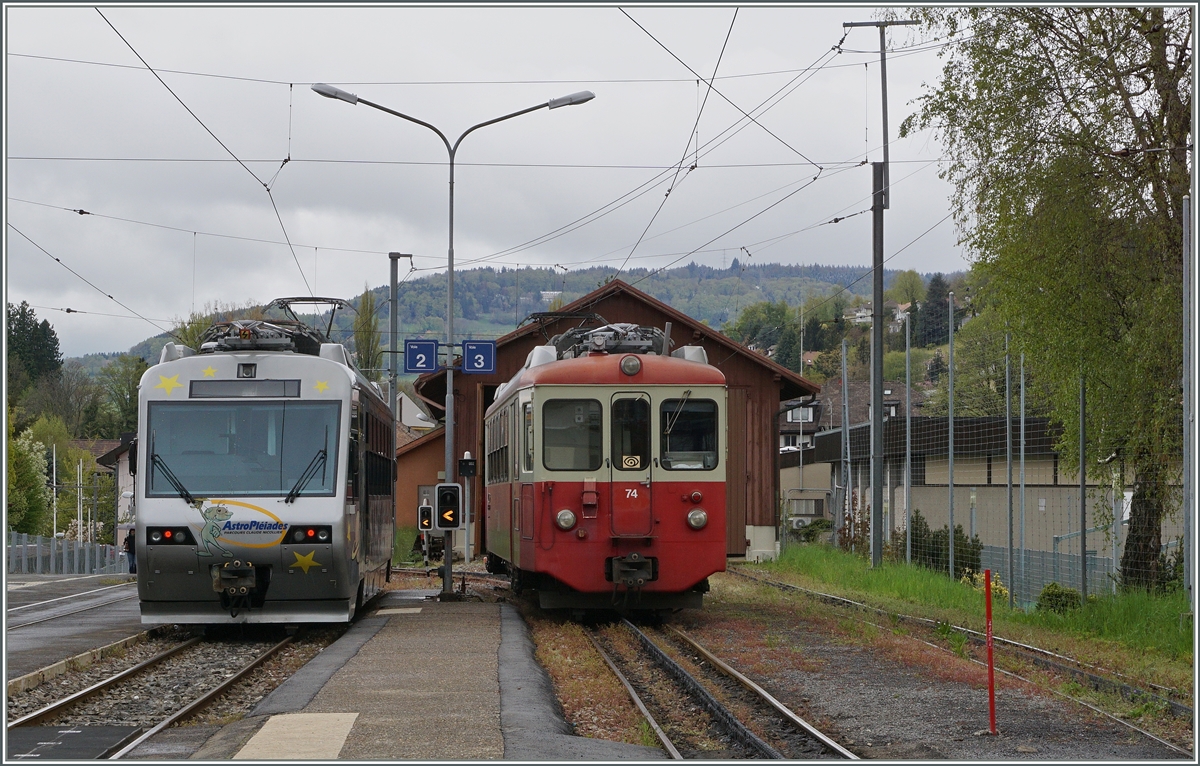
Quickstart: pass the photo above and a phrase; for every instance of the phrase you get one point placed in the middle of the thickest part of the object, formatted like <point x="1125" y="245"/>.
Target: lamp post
<point x="328" y="91"/>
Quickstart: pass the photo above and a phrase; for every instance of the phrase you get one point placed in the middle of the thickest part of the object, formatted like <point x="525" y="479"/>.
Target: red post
<point x="987" y="594"/>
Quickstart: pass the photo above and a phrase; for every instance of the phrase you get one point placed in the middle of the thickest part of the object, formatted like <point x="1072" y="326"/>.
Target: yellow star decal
<point x="169" y="384"/>
<point x="321" y="386"/>
<point x="304" y="562"/>
<point x="209" y="372"/>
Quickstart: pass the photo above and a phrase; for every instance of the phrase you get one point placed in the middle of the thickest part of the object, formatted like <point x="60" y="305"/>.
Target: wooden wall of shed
<point x="755" y="435"/>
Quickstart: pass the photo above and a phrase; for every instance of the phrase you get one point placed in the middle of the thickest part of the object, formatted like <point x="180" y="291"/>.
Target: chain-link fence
<point x="977" y="445"/>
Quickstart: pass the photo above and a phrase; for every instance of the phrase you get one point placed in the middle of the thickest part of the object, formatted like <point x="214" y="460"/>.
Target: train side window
<point x="631" y="434"/>
<point x="689" y="434"/>
<point x="572" y="435"/>
<point x="527" y="419"/>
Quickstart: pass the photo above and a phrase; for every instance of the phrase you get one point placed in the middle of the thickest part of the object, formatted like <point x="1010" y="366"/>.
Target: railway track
<point x="163" y="690"/>
<point x="701" y="708"/>
<point x="26" y="620"/>
<point x="1100" y="679"/>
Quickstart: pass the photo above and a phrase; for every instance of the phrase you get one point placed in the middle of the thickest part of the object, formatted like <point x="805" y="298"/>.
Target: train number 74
<point x="631" y="493"/>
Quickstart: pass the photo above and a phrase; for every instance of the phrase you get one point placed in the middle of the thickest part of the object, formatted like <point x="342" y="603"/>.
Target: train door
<point x="523" y="423"/>
<point x="631" y="468"/>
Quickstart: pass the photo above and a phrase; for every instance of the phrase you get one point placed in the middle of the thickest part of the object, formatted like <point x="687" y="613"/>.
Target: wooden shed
<point x="756" y="386"/>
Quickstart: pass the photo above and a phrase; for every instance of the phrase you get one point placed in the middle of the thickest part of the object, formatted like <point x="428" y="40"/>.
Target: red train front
<point x="605" y="472"/>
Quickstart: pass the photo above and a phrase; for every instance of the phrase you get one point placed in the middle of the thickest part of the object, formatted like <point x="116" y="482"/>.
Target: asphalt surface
<point x="418" y="680"/>
<point x="32" y="597"/>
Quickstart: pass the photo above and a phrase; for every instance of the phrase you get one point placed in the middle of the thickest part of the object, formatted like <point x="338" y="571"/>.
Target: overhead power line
<point x="219" y="141"/>
<point x="85" y="280"/>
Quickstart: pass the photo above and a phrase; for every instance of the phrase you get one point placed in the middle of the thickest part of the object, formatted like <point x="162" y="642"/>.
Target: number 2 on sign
<point x="420" y="360"/>
<point x="631" y="493"/>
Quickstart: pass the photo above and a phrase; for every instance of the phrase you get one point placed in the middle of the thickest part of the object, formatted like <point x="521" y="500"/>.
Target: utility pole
<point x="881" y="196"/>
<point x="395" y="331"/>
<point x="883" y="25"/>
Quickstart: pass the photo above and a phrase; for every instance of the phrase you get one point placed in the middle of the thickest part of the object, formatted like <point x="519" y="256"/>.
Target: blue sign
<point x="479" y="356"/>
<point x="420" y="356"/>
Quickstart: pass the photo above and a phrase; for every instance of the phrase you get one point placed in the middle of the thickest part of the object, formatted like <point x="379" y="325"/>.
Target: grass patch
<point x="1137" y="633"/>
<point x="402" y="552"/>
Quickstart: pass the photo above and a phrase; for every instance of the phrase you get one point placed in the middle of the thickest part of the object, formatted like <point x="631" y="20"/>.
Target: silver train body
<point x="264" y="487"/>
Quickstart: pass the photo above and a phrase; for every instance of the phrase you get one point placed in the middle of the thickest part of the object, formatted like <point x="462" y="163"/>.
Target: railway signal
<point x="425" y="518"/>
<point x="449" y="507"/>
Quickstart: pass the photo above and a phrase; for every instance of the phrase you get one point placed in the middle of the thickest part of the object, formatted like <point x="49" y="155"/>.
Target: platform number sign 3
<point x="420" y="356"/>
<point x="479" y="357"/>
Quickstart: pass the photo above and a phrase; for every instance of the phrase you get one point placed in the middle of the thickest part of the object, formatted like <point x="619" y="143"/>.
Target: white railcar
<point x="266" y="475"/>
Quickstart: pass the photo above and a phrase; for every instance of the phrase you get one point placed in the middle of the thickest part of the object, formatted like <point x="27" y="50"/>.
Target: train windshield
<point x="242" y="448"/>
<point x="571" y="435"/>
<point x="689" y="434"/>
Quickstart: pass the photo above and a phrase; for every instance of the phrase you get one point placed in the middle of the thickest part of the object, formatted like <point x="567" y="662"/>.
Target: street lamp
<point x="328" y="91"/>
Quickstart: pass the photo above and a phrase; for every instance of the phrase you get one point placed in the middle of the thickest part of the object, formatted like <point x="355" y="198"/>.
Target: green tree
<point x="32" y="343"/>
<point x="1069" y="130"/>
<point x="189" y="331"/>
<point x="929" y="328"/>
<point x="29" y="498"/>
<point x="787" y="353"/>
<point x="69" y="394"/>
<point x="907" y="287"/>
<point x="119" y="380"/>
<point x="368" y="342"/>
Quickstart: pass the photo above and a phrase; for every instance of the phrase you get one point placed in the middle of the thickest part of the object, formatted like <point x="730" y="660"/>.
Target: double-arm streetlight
<point x="575" y="98"/>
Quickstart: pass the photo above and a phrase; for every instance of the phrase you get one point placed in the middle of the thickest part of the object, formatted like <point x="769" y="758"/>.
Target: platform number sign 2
<point x="420" y="356"/>
<point x="479" y="356"/>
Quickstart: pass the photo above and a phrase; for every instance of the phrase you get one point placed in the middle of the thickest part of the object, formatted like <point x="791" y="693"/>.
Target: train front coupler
<point x="236" y="581"/>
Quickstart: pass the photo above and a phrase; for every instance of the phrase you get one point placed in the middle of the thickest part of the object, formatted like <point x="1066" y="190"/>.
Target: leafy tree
<point x="1069" y="130"/>
<point x="367" y="340"/>
<point x="119" y="381"/>
<point x="907" y="287"/>
<point x="29" y="498"/>
<point x="189" y="331"/>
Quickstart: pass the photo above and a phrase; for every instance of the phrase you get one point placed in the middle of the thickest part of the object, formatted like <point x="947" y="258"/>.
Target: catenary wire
<point x="219" y="141"/>
<point x="682" y="159"/>
<point x="84" y="279"/>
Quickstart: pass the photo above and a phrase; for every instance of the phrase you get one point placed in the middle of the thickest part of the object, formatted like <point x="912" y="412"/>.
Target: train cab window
<point x="243" y="448"/>
<point x="689" y="434"/>
<point x="631" y="434"/>
<point x="572" y="437"/>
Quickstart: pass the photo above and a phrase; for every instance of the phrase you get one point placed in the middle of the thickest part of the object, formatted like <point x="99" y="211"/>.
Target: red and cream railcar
<point x="605" y="472"/>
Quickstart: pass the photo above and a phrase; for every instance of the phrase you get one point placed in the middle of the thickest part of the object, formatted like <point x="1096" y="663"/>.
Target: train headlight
<point x="323" y="535"/>
<point x="631" y="365"/>
<point x="697" y="518"/>
<point x="155" y="536"/>
<point x="298" y="536"/>
<point x="565" y="519"/>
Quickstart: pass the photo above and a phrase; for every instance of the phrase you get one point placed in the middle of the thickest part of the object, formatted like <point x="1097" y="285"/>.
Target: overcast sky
<point x="181" y="215"/>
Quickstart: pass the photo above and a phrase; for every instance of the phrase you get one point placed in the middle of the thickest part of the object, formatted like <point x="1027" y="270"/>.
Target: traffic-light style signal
<point x="449" y="511"/>
<point x="425" y="518"/>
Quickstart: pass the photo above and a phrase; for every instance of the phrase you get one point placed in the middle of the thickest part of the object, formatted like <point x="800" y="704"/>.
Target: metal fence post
<point x="950" y="422"/>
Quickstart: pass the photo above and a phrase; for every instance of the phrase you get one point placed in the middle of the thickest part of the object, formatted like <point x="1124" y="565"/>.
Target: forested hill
<point x="490" y="302"/>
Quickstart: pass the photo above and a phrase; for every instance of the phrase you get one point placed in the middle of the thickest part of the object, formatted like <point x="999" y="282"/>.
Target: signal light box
<point x="425" y="518"/>
<point x="449" y="511"/>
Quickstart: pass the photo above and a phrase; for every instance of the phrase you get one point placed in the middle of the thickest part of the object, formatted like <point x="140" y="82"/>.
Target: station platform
<point x="418" y="679"/>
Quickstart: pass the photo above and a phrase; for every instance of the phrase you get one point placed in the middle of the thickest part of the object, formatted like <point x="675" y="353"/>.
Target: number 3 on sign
<point x="478" y="362"/>
<point x="631" y="493"/>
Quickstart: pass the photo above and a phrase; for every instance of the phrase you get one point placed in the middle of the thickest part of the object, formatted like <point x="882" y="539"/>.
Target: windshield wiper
<point x="161" y="465"/>
<point x="316" y="464"/>
<point x="678" y="411"/>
